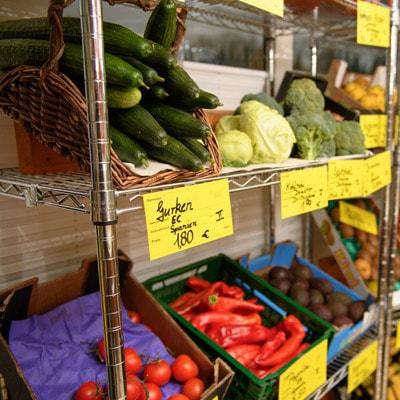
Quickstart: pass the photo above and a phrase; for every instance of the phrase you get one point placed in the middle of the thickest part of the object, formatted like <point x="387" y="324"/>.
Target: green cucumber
<point x="176" y="122"/>
<point x="161" y="26"/>
<point x="207" y="100"/>
<point x="197" y="148"/>
<point x="156" y="92"/>
<point x="179" y="83"/>
<point x="175" y="153"/>
<point x="139" y="124"/>
<point x="126" y="148"/>
<point x="150" y="75"/>
<point x="159" y="58"/>
<point x="123" y="97"/>
<point x="16" y="52"/>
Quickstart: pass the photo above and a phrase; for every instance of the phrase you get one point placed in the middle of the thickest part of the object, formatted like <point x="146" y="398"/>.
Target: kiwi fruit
<point x="335" y="214"/>
<point x="339" y="297"/>
<point x="361" y="236"/>
<point x="301" y="272"/>
<point x="300" y="295"/>
<point x="347" y="231"/>
<point x="321" y="284"/>
<point x="322" y="311"/>
<point x="316" y="297"/>
<point x="338" y="309"/>
<point x="301" y="283"/>
<point x="356" y="310"/>
<point x="281" y="284"/>
<point x="278" y="273"/>
<point x="342" y="321"/>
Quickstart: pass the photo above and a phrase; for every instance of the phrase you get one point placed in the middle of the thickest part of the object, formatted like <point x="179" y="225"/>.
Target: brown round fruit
<point x="316" y="297"/>
<point x="281" y="284"/>
<point x="369" y="248"/>
<point x="361" y="236"/>
<point x="342" y="321"/>
<point x="356" y="310"/>
<point x="335" y="214"/>
<point x="301" y="283"/>
<point x="301" y="271"/>
<point x="278" y="273"/>
<point x="364" y="255"/>
<point x="364" y="268"/>
<point x="322" y="311"/>
<point x="300" y="295"/>
<point x="361" y="204"/>
<point x="323" y="285"/>
<point x="337" y="309"/>
<point x="339" y="297"/>
<point x="373" y="239"/>
<point x="347" y="231"/>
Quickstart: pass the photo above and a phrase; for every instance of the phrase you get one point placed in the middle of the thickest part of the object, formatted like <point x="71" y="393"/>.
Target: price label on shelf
<point x="303" y="191"/>
<point x="179" y="219"/>
<point x="306" y="375"/>
<point x="362" y="366"/>
<point x="358" y="218"/>
<point x="378" y="172"/>
<point x="345" y="179"/>
<point x="272" y="6"/>
<point x="374" y="129"/>
<point x="397" y="345"/>
<point x="373" y="24"/>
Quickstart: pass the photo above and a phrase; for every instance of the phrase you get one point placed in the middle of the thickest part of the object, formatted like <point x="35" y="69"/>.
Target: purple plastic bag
<point x="55" y="350"/>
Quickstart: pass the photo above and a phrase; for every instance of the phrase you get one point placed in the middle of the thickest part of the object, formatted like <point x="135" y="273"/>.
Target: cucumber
<point x="159" y="58"/>
<point x="161" y="26"/>
<point x="15" y="52"/>
<point x="139" y="124"/>
<point x="178" y="82"/>
<point x="207" y="100"/>
<point x="175" y="153"/>
<point x="197" y="148"/>
<point x="176" y="122"/>
<point x="150" y="75"/>
<point x="123" y="97"/>
<point x="117" y="38"/>
<point x="126" y="148"/>
<point x="156" y="92"/>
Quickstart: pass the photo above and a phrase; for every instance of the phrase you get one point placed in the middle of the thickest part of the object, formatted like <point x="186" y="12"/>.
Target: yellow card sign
<point x="181" y="218"/>
<point x="305" y="375"/>
<point x="373" y="24"/>
<point x="358" y="218"/>
<point x="397" y="345"/>
<point x="378" y="173"/>
<point x="303" y="191"/>
<point x="345" y="179"/>
<point x="272" y="6"/>
<point x="374" y="129"/>
<point x="362" y="366"/>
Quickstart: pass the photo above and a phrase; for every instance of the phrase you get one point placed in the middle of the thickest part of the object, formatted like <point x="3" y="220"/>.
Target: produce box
<point x="30" y="298"/>
<point x="283" y="256"/>
<point x="246" y="385"/>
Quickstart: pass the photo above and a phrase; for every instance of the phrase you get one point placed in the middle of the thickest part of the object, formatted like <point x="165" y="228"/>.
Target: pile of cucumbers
<point x="151" y="99"/>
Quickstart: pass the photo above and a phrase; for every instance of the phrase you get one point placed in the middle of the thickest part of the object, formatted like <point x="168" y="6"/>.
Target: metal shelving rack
<point x="96" y="196"/>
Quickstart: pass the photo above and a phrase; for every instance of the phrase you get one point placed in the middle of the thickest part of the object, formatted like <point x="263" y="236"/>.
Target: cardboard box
<point x="31" y="298"/>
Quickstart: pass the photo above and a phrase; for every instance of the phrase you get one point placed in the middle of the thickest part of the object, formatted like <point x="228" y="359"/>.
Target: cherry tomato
<point x="101" y="350"/>
<point x="133" y="363"/>
<point x="193" y="388"/>
<point x="134" y="389"/>
<point x="89" y="391"/>
<point x="134" y="316"/>
<point x="178" y="396"/>
<point x="153" y="391"/>
<point x="184" y="368"/>
<point x="158" y="372"/>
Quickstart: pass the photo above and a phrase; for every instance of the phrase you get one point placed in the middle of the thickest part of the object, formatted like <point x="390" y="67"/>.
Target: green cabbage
<point x="228" y="123"/>
<point x="271" y="135"/>
<point x="235" y="147"/>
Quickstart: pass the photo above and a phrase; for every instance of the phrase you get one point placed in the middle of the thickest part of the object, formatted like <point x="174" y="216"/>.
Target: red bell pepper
<point x="182" y="300"/>
<point x="244" y="353"/>
<point x="233" y="335"/>
<point x="231" y="291"/>
<point x="220" y="303"/>
<point x="203" y="320"/>
<point x="197" y="284"/>
<point x="287" y="351"/>
<point x="270" y="347"/>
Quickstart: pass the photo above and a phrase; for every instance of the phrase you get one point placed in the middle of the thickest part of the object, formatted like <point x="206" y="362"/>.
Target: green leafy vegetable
<point x="235" y="147"/>
<point x="227" y="123"/>
<point x="349" y="138"/>
<point x="265" y="99"/>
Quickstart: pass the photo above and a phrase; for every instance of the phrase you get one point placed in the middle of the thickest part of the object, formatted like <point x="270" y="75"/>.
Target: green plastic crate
<point x="245" y="386"/>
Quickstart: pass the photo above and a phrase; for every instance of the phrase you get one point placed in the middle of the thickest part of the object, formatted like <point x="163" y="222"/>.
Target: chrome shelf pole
<point x="103" y="202"/>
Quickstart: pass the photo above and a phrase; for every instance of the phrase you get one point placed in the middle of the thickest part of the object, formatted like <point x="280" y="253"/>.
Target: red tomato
<point x="89" y="391"/>
<point x="133" y="363"/>
<point x="153" y="391"/>
<point x="134" y="316"/>
<point x="178" y="396"/>
<point x="193" y="388"/>
<point x="134" y="389"/>
<point x="184" y="368"/>
<point x="101" y="350"/>
<point x="158" y="372"/>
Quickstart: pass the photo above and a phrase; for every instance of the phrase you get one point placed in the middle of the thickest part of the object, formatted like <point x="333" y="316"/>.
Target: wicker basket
<point x="50" y="106"/>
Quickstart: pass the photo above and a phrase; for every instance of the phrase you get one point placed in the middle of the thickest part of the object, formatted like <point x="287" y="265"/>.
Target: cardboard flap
<point x="283" y="254"/>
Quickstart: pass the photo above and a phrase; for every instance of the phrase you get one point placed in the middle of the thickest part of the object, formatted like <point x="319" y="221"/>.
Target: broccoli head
<point x="314" y="135"/>
<point x="303" y="96"/>
<point x="349" y="138"/>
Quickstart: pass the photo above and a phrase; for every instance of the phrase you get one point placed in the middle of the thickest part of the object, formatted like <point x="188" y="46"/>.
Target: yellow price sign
<point x="358" y="218"/>
<point x="179" y="219"/>
<point x="378" y="172"/>
<point x="272" y="6"/>
<point x="345" y="179"/>
<point x="306" y="375"/>
<point x="373" y="24"/>
<point x="397" y="345"/>
<point x="374" y="129"/>
<point x="362" y="366"/>
<point x="303" y="191"/>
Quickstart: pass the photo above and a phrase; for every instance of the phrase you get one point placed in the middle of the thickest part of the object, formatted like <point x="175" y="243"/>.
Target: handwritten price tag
<point x="179" y="219"/>
<point x="305" y="375"/>
<point x="362" y="366"/>
<point x="373" y="24"/>
<point x="358" y="218"/>
<point x="397" y="345"/>
<point x="303" y="191"/>
<point x="272" y="6"/>
<point x="345" y="179"/>
<point x="378" y="172"/>
<point x="374" y="129"/>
